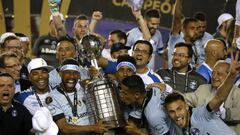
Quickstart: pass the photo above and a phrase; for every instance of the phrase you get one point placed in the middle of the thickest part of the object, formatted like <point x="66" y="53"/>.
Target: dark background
<point x="117" y="14"/>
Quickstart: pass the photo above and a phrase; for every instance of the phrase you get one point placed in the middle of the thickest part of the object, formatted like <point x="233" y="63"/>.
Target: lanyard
<point x="174" y="81"/>
<point x="196" y="55"/>
<point x="72" y="105"/>
<point x="144" y="105"/>
<point x="37" y="97"/>
<point x="187" y="131"/>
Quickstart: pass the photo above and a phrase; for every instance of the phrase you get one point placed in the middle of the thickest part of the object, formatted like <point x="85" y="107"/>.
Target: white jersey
<point x="61" y="107"/>
<point x="204" y="122"/>
<point x="30" y="101"/>
<point x="200" y="43"/>
<point x="151" y="77"/>
<point x="158" y="120"/>
<point x="106" y="53"/>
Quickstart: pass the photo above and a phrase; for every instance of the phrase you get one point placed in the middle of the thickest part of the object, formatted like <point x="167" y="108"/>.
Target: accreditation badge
<point x="74" y="120"/>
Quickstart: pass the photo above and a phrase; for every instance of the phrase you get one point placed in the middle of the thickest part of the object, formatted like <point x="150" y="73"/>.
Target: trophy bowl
<point x="90" y="48"/>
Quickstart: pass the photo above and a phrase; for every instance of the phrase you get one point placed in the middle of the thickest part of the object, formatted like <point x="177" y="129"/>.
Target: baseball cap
<point x="38" y="63"/>
<point x="22" y="37"/>
<point x="43" y="123"/>
<point x="61" y="16"/>
<point x="222" y="18"/>
<point x="118" y="46"/>
<point x="6" y="35"/>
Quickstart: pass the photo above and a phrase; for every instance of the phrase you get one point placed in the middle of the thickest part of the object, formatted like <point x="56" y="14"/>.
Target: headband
<point x="128" y="64"/>
<point x="70" y="67"/>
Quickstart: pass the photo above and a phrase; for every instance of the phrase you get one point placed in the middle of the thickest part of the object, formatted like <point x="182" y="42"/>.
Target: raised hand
<point x="137" y="14"/>
<point x="97" y="15"/>
<point x="225" y="88"/>
<point x="235" y="64"/>
<point x="136" y="4"/>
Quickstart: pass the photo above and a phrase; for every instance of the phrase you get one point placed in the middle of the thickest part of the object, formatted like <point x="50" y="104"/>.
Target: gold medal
<point x="74" y="120"/>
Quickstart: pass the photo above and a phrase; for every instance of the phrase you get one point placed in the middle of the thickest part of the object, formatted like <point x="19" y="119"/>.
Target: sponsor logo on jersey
<point x="47" y="50"/>
<point x="166" y="79"/>
<point x="46" y="41"/>
<point x="193" y="84"/>
<point x="194" y="131"/>
<point x="48" y="100"/>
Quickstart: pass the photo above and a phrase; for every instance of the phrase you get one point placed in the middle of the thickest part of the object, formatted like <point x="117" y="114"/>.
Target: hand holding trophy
<point x="54" y="6"/>
<point x="101" y="94"/>
<point x="136" y="4"/>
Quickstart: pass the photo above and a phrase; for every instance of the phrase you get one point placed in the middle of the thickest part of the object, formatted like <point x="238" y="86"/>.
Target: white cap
<point x="24" y="39"/>
<point x="38" y="63"/>
<point x="43" y="123"/>
<point x="61" y="16"/>
<point x="223" y="18"/>
<point x="6" y="35"/>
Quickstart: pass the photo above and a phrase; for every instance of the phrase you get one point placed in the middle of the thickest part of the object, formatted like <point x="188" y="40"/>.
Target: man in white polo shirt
<point x="38" y="94"/>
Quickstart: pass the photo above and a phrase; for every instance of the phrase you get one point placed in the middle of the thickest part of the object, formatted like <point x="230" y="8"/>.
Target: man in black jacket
<point x="15" y="119"/>
<point x="182" y="76"/>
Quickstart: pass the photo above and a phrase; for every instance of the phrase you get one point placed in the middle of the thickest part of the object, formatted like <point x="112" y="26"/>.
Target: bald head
<point x="213" y="44"/>
<point x="216" y="49"/>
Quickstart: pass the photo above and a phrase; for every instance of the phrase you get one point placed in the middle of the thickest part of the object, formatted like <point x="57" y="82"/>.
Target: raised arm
<point x="236" y="38"/>
<point x="177" y="18"/>
<point x="58" y="23"/>
<point x="225" y="88"/>
<point x="142" y="24"/>
<point x="96" y="16"/>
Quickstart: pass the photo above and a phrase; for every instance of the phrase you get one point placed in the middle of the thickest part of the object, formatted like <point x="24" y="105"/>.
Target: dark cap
<point x="119" y="46"/>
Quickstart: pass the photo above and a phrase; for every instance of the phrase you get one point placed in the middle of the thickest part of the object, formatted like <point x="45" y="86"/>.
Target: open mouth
<point x="70" y="83"/>
<point x="138" y="59"/>
<point x="41" y="82"/>
<point x="176" y="61"/>
<point x="5" y="94"/>
<point x="179" y="121"/>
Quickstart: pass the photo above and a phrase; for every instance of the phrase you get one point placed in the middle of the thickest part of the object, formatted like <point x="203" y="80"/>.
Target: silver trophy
<point x="89" y="49"/>
<point x="102" y="99"/>
<point x="136" y="4"/>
